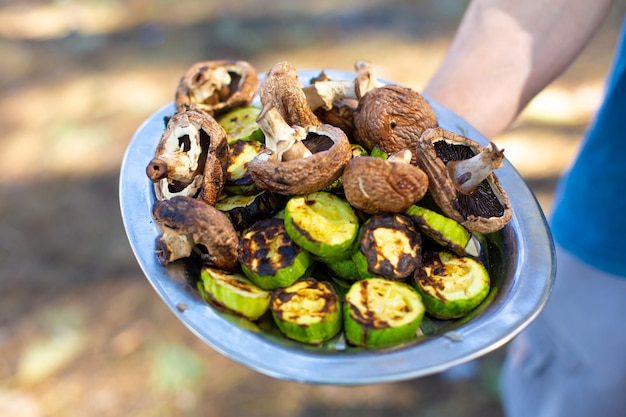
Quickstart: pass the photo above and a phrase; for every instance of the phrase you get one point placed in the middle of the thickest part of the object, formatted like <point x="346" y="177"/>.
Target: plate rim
<point x="495" y="328"/>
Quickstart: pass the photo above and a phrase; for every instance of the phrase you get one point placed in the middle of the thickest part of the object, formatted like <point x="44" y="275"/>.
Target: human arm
<point x="506" y="51"/>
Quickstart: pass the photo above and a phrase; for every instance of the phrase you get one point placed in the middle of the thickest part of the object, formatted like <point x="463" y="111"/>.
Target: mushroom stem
<point x="467" y="174"/>
<point x="366" y="77"/>
<point x="171" y="246"/>
<point x="156" y="169"/>
<point x="284" y="141"/>
<point x="323" y="94"/>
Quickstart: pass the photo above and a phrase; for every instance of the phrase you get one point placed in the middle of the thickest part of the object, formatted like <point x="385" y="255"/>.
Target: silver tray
<point x="520" y="259"/>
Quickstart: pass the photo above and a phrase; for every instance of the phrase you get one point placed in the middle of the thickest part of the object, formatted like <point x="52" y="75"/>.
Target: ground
<point x="81" y="330"/>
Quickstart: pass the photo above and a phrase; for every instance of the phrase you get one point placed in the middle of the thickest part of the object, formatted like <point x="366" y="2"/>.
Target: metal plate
<point x="520" y="261"/>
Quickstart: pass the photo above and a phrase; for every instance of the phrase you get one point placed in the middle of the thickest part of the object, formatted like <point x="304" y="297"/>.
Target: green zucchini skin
<point x="321" y="223"/>
<point x="240" y="124"/>
<point x="269" y="257"/>
<point x="238" y="179"/>
<point x="451" y="286"/>
<point x="380" y="313"/>
<point x="234" y="292"/>
<point x="443" y="230"/>
<point x="244" y="210"/>
<point x="307" y="311"/>
<point x="389" y="246"/>
<point x="345" y="269"/>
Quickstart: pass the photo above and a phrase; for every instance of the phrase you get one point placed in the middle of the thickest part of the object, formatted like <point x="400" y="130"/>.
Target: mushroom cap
<point x="304" y="175"/>
<point x="216" y="165"/>
<point x="374" y="185"/>
<point x="192" y="155"/>
<point x="215" y="87"/>
<point x="281" y="89"/>
<point x="179" y="155"/>
<point x="207" y="225"/>
<point x="485" y="210"/>
<point x="392" y="118"/>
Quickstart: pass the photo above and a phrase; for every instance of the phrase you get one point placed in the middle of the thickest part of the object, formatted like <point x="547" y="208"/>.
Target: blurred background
<point x="82" y="332"/>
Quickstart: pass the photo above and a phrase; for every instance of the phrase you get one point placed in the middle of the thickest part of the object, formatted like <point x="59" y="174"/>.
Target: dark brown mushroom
<point x="191" y="157"/>
<point x="205" y="225"/>
<point x="334" y="102"/>
<point x="377" y="185"/>
<point x="298" y="160"/>
<point x="282" y="90"/>
<point x="215" y="87"/>
<point x="462" y="181"/>
<point x="392" y="118"/>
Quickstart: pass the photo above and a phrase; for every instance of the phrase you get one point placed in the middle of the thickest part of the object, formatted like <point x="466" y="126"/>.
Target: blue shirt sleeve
<point x="589" y="216"/>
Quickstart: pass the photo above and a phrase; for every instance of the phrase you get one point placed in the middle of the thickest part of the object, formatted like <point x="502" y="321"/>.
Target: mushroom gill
<point x="462" y="181"/>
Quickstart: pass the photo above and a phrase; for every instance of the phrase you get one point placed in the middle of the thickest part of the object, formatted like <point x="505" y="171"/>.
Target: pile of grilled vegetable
<point x="335" y="207"/>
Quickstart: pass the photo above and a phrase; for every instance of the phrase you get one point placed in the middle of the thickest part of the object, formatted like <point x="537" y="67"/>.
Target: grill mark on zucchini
<point x="378" y="264"/>
<point x="263" y="238"/>
<point x="329" y="300"/>
<point x="308" y="311"/>
<point x="240" y="152"/>
<point x="302" y="231"/>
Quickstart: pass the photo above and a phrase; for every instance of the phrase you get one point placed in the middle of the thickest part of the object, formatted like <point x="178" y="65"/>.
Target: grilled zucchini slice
<point x="240" y="124"/>
<point x="388" y="247"/>
<point x="441" y="229"/>
<point x="381" y="313"/>
<point x="451" y="285"/>
<point x="269" y="257"/>
<point x="245" y="210"/>
<point x="321" y="223"/>
<point x="234" y="292"/>
<point x="238" y="179"/>
<point x="307" y="311"/>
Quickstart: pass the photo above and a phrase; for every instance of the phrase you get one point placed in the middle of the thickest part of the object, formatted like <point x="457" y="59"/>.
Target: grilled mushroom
<point x="282" y="90"/>
<point x="172" y="245"/>
<point x="192" y="156"/>
<point x="335" y="101"/>
<point x="374" y="184"/>
<point x="461" y="179"/>
<point x="392" y="118"/>
<point x="298" y="160"/>
<point x="214" y="87"/>
<point x="204" y="225"/>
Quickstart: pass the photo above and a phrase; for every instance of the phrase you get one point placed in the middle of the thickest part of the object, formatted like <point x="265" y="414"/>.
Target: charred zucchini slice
<point x="441" y="229"/>
<point x="240" y="124"/>
<point x="238" y="179"/>
<point x="307" y="311"/>
<point x="451" y="286"/>
<point x="388" y="247"/>
<point x="321" y="223"/>
<point x="269" y="257"/>
<point x="381" y="313"/>
<point x="234" y="292"/>
<point x="244" y="210"/>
